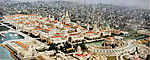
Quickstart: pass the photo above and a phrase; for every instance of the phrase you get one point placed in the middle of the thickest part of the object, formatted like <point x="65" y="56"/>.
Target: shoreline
<point x="11" y="53"/>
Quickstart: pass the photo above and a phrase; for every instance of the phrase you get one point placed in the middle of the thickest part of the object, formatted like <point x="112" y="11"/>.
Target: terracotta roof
<point x="148" y="38"/>
<point x="57" y="33"/>
<point x="16" y="19"/>
<point x="144" y="41"/>
<point x="66" y="36"/>
<point x="21" y="44"/>
<point x="34" y="18"/>
<point x="36" y="29"/>
<point x="98" y="32"/>
<point x="27" y="23"/>
<point x="109" y="38"/>
<point x="76" y="26"/>
<point x="88" y="32"/>
<point x="9" y="16"/>
<point x="10" y="19"/>
<point x="41" y="18"/>
<point x="33" y="22"/>
<point x="54" y="21"/>
<point x="81" y="55"/>
<point x="78" y="55"/>
<point x="67" y="26"/>
<point x="72" y="34"/>
<point x="18" y="22"/>
<point x="40" y="58"/>
<point x="51" y="28"/>
<point x="21" y="18"/>
<point x="46" y="30"/>
<point x="55" y="36"/>
<point x="38" y="26"/>
<point x="102" y="31"/>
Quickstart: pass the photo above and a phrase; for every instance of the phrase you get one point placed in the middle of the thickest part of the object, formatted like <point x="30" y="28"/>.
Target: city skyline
<point x="145" y="4"/>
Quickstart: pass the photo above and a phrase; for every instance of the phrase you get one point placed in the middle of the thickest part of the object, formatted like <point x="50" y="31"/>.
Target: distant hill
<point x="4" y="0"/>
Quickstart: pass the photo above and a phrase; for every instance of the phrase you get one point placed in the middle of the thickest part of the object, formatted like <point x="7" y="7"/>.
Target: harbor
<point x="6" y="53"/>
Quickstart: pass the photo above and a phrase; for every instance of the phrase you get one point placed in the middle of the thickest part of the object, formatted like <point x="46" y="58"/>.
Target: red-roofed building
<point x="51" y="28"/>
<point x="55" y="36"/>
<point x="109" y="38"/>
<point x="148" y="38"/>
<point x="88" y="32"/>
<point x="46" y="30"/>
<point x="72" y="34"/>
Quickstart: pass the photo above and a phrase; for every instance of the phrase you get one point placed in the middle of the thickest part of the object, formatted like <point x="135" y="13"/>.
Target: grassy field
<point x="124" y="58"/>
<point x="134" y="35"/>
<point x="3" y="28"/>
<point x="111" y="57"/>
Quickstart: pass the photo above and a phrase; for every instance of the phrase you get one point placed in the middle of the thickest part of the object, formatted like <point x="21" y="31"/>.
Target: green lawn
<point x="111" y="57"/>
<point x="134" y="36"/>
<point x="3" y="28"/>
<point x="124" y="58"/>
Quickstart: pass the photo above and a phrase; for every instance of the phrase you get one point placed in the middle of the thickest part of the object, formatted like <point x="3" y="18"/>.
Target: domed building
<point x="105" y="26"/>
<point x="111" y="46"/>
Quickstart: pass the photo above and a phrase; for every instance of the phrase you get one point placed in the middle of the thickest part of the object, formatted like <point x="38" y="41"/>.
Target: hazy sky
<point x="137" y="3"/>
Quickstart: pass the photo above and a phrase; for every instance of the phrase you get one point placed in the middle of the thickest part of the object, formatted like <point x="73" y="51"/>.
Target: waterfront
<point x="9" y="36"/>
<point x="73" y="32"/>
<point x="5" y="54"/>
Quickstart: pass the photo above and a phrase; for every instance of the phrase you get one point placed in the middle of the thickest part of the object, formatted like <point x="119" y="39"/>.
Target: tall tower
<point x="88" y="26"/>
<point x="67" y="19"/>
<point x="49" y="16"/>
<point x="66" y="13"/>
